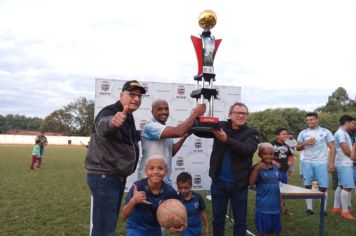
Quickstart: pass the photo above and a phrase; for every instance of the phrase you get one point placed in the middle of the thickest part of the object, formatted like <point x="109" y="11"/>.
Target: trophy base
<point x="204" y="125"/>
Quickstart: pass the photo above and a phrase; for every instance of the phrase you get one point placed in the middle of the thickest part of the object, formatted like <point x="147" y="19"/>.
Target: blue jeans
<point x="107" y="192"/>
<point x="221" y="193"/>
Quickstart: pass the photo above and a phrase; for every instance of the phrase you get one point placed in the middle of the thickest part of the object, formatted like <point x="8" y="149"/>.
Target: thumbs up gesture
<point x="119" y="118"/>
<point x="139" y="196"/>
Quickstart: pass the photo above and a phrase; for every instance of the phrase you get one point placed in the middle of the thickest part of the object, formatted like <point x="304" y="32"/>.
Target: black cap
<point x="132" y="85"/>
<point x="291" y="133"/>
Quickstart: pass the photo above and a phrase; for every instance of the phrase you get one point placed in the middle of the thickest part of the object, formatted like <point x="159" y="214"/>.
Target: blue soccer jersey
<point x="267" y="191"/>
<point x="143" y="216"/>
<point x="194" y="207"/>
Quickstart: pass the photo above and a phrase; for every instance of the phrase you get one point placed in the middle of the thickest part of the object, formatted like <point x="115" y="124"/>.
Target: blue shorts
<point x="140" y="232"/>
<point x="268" y="223"/>
<point x="316" y="171"/>
<point x="345" y="176"/>
<point x="355" y="174"/>
<point x="283" y="177"/>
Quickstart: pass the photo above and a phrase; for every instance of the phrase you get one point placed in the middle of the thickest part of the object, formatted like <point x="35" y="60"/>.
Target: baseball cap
<point x="291" y="133"/>
<point x="132" y="85"/>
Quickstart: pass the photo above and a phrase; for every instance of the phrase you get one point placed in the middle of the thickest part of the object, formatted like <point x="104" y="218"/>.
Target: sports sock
<point x="309" y="203"/>
<point x="345" y="200"/>
<point x="337" y="198"/>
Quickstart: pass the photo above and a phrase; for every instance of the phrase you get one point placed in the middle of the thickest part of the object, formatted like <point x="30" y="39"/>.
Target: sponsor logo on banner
<point x="180" y="163"/>
<point x="197" y="182"/>
<point x="145" y="86"/>
<point x="181" y="92"/>
<point x="198" y="144"/>
<point x="142" y="123"/>
<point x="105" y="87"/>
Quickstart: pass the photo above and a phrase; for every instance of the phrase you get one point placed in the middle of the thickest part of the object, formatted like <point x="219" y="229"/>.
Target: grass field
<point x="55" y="200"/>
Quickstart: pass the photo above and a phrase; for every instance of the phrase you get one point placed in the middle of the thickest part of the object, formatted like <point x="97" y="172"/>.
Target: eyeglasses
<point x="133" y="95"/>
<point x="239" y="113"/>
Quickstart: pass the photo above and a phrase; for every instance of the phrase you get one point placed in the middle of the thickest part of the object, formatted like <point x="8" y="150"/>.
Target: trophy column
<point x="205" y="48"/>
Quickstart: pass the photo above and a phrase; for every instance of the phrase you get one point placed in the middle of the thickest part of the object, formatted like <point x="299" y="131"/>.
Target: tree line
<point x="77" y="118"/>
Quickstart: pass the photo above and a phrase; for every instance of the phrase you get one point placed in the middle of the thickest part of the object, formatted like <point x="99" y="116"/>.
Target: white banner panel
<point x="195" y="153"/>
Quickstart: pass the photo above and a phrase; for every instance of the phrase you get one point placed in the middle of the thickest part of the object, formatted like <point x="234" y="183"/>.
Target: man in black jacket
<point x="112" y="155"/>
<point x="230" y="163"/>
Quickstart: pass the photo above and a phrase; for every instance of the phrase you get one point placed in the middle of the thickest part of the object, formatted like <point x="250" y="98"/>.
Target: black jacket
<point x="113" y="151"/>
<point x="242" y="144"/>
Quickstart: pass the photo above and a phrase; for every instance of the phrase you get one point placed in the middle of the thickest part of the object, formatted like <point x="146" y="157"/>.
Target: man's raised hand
<point x="119" y="118"/>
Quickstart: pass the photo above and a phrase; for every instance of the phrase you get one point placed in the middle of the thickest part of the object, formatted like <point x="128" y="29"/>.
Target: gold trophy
<point x="205" y="48"/>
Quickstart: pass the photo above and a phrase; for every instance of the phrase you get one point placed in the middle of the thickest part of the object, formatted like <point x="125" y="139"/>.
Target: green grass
<point x="55" y="199"/>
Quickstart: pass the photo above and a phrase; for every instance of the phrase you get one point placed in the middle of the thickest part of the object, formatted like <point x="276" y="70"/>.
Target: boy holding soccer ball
<point x="143" y="199"/>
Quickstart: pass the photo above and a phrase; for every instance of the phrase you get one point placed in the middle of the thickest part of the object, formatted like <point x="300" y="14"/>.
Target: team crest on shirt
<point x="196" y="205"/>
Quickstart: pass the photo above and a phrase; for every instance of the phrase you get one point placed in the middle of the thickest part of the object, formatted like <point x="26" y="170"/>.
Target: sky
<point x="282" y="53"/>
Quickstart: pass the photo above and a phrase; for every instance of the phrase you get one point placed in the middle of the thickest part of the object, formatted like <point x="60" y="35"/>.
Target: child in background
<point x="195" y="206"/>
<point x="36" y="156"/>
<point x="268" y="201"/>
<point x="142" y="201"/>
<point x="283" y="154"/>
<point x="292" y="143"/>
<point x="284" y="158"/>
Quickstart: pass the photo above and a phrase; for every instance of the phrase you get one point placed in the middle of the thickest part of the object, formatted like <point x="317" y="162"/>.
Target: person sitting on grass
<point x="194" y="204"/>
<point x="268" y="200"/>
<point x="143" y="199"/>
<point x="36" y="155"/>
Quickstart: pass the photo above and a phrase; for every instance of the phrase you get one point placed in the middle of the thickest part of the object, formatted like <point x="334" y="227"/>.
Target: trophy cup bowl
<point x="207" y="19"/>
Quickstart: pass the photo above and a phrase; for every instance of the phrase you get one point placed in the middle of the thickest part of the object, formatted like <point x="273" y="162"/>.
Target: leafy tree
<point x="76" y="118"/>
<point x="19" y="122"/>
<point x="267" y="121"/>
<point x="339" y="101"/>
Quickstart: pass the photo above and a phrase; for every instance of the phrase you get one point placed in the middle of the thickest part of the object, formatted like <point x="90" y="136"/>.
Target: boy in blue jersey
<point x="194" y="204"/>
<point x="268" y="200"/>
<point x="316" y="141"/>
<point x="142" y="201"/>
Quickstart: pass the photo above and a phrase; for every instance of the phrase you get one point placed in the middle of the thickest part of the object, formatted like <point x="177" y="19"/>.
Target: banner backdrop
<point x="194" y="155"/>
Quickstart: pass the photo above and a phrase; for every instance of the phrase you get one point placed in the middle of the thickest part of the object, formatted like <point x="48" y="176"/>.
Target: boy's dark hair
<point x="345" y="118"/>
<point x="312" y="114"/>
<point x="279" y="130"/>
<point x="38" y="141"/>
<point x="184" y="177"/>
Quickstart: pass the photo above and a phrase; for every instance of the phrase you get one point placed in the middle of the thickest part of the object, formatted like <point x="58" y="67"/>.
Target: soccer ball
<point x="171" y="213"/>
